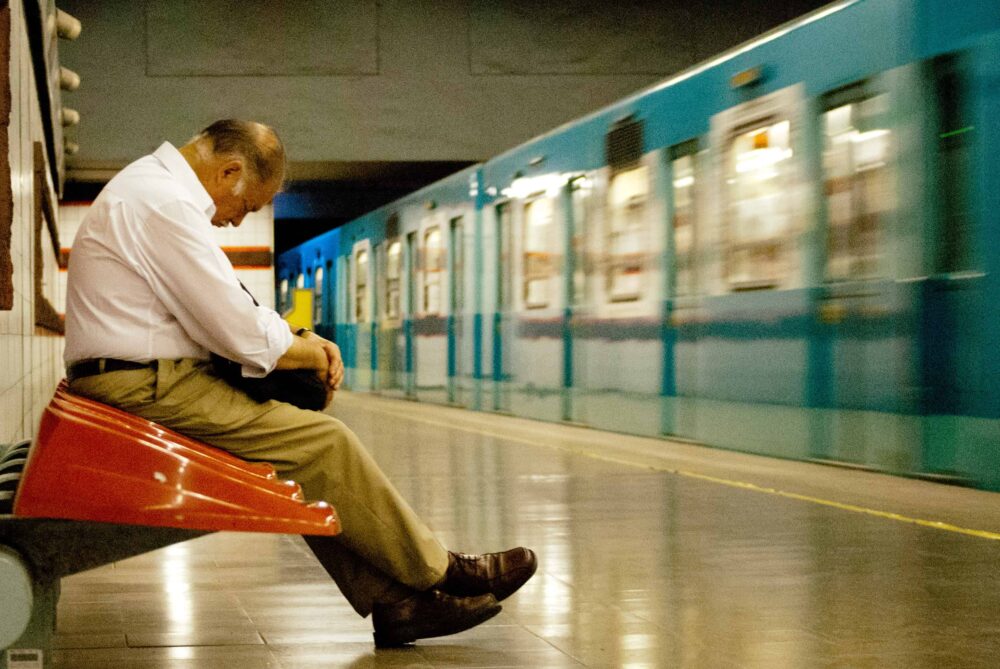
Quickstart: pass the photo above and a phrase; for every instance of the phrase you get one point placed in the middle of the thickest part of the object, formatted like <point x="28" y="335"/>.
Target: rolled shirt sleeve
<point x="279" y="338"/>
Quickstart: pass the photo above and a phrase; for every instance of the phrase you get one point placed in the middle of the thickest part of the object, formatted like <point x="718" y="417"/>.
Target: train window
<point x="580" y="191"/>
<point x="410" y="260"/>
<point x="683" y="168"/>
<point x="627" y="237"/>
<point x="539" y="264"/>
<point x="758" y="237"/>
<point x="300" y="281"/>
<point x="318" y="296"/>
<point x="858" y="184"/>
<point x="345" y="270"/>
<point x="329" y="277"/>
<point x="434" y="266"/>
<point x="393" y="272"/>
<point x="955" y="160"/>
<point x="457" y="299"/>
<point x="380" y="281"/>
<point x="504" y="275"/>
<point x="361" y="286"/>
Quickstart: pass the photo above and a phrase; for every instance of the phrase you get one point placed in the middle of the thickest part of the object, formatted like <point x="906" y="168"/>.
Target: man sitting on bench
<point x="150" y="295"/>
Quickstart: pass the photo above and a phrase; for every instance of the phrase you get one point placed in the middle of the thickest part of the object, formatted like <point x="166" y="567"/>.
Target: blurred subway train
<point x="792" y="250"/>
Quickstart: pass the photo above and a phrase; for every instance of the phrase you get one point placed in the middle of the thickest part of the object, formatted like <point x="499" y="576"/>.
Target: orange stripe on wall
<point x="66" y="269"/>
<point x="246" y="249"/>
<point x="249" y="256"/>
<point x="242" y="257"/>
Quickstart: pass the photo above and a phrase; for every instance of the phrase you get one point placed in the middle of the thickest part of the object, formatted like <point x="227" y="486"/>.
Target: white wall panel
<point x="31" y="358"/>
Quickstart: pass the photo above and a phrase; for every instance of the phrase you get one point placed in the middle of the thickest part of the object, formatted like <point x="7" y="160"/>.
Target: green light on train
<point x="960" y="131"/>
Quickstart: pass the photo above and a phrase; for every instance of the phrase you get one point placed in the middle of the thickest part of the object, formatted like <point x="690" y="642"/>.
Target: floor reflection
<point x="638" y="568"/>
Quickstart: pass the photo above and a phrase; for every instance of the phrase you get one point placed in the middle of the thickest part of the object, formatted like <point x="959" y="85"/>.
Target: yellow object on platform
<point x="300" y="315"/>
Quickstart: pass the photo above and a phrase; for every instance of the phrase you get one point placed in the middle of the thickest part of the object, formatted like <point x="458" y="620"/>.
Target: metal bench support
<point x="45" y="550"/>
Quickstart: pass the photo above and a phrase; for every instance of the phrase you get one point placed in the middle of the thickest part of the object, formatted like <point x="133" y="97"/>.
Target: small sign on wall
<point x="24" y="658"/>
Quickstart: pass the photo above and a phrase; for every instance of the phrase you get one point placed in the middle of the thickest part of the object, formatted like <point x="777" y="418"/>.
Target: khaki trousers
<point x="384" y="546"/>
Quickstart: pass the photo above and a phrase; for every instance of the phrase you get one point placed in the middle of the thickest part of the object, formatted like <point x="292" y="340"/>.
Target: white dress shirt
<point x="147" y="281"/>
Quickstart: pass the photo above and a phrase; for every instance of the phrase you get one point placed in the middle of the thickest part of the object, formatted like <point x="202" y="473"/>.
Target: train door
<point x="410" y="298"/>
<point x="687" y="167"/>
<point x="430" y="327"/>
<point x="330" y="317"/>
<point x="346" y="326"/>
<point x="618" y="388"/>
<point x="577" y="211"/>
<point x="865" y="315"/>
<point x="751" y="353"/>
<point x="503" y="316"/>
<point x="323" y="319"/>
<point x="362" y="302"/>
<point x="319" y="307"/>
<point x="284" y="295"/>
<point x="956" y="320"/>
<point x="539" y="380"/>
<point x="459" y="357"/>
<point x="392" y="344"/>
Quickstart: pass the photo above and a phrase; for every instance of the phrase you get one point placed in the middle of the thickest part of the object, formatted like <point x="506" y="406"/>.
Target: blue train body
<point x="792" y="250"/>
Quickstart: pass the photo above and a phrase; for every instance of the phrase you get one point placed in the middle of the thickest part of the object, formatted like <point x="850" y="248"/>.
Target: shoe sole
<point x="406" y="635"/>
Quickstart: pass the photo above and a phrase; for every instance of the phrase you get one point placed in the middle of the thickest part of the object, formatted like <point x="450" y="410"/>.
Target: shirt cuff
<point x="279" y="340"/>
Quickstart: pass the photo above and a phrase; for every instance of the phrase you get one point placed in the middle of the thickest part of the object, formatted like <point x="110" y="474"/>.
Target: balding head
<point x="257" y="144"/>
<point x="241" y="164"/>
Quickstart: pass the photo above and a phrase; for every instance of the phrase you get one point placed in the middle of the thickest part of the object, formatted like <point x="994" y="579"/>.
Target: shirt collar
<point x="178" y="166"/>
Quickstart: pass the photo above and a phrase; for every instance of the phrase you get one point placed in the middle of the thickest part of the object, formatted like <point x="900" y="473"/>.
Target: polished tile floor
<point x="652" y="554"/>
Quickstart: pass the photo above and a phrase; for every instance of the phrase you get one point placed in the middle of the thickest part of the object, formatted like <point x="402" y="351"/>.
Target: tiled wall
<point x="30" y="359"/>
<point x="70" y="216"/>
<point x="256" y="232"/>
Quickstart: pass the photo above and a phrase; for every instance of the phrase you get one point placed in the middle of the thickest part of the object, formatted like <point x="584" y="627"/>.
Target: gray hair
<point x="256" y="143"/>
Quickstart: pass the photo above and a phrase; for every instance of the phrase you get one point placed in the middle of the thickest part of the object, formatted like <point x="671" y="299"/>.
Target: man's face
<point x="235" y="200"/>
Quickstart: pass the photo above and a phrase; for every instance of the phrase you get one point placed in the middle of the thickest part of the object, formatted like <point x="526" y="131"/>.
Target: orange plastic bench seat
<point x="93" y="462"/>
<point x="145" y="430"/>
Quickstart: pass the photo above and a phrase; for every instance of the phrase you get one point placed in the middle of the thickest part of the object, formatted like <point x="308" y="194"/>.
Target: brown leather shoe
<point x="429" y="614"/>
<point x="500" y="574"/>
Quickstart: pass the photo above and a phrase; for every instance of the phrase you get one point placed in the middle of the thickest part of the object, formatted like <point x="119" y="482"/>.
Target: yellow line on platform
<point x="933" y="524"/>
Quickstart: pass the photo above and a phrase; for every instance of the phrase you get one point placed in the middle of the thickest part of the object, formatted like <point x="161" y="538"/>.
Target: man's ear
<point x="230" y="171"/>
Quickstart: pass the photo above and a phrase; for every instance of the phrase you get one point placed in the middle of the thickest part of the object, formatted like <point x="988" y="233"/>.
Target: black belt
<point x="93" y="366"/>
